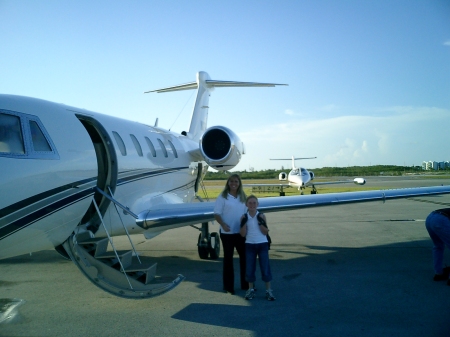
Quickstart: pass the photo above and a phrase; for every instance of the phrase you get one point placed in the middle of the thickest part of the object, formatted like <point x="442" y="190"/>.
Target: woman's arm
<point x="222" y="223"/>
<point x="243" y="229"/>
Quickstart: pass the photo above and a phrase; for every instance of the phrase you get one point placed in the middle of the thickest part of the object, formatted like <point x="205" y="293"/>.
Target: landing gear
<point x="313" y="191"/>
<point x="208" y="244"/>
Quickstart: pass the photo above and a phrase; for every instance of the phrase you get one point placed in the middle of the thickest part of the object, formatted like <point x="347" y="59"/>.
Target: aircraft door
<point x="107" y="169"/>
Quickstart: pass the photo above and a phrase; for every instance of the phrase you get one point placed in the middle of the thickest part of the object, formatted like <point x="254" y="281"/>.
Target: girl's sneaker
<point x="269" y="295"/>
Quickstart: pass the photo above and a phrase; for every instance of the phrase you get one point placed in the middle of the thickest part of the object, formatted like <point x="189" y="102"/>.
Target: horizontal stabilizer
<point x="213" y="84"/>
<point x="294" y="158"/>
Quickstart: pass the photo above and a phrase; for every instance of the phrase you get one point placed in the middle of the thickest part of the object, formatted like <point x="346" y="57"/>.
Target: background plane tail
<point x="294" y="159"/>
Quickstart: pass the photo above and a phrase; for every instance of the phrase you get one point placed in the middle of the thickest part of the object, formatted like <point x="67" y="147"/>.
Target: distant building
<point x="434" y="165"/>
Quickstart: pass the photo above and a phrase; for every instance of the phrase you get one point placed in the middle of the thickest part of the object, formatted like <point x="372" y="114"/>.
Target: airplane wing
<point x="359" y="181"/>
<point x="187" y="214"/>
<point x="267" y="185"/>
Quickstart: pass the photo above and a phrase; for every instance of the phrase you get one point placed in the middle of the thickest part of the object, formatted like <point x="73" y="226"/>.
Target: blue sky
<point x="369" y="81"/>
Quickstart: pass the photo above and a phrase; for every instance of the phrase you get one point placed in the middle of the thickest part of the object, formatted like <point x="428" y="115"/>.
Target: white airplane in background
<point x="72" y="179"/>
<point x="301" y="178"/>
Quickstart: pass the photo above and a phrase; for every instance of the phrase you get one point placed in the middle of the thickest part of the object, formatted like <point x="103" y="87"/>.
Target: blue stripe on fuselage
<point x="53" y="207"/>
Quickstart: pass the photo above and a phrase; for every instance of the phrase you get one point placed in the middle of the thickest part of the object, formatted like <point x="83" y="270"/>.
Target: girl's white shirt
<point x="230" y="210"/>
<point x="254" y="234"/>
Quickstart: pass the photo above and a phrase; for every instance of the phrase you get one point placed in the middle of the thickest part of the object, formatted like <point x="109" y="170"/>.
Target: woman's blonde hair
<point x="240" y="190"/>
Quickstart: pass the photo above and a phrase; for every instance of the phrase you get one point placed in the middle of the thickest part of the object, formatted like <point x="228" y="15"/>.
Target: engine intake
<point x="282" y="176"/>
<point x="221" y="148"/>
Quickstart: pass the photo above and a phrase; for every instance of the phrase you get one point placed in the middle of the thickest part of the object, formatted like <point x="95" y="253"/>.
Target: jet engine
<point x="282" y="176"/>
<point x="221" y="148"/>
<point x="311" y="174"/>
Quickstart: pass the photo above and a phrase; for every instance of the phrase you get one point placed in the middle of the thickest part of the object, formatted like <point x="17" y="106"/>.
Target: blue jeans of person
<point x="438" y="227"/>
<point x="260" y="250"/>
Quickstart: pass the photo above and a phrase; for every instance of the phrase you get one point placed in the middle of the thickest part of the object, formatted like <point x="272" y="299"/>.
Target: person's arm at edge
<point x="243" y="230"/>
<point x="222" y="223"/>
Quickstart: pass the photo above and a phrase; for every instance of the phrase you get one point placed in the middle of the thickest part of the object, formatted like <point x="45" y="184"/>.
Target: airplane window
<point x="151" y="147"/>
<point x="163" y="148"/>
<point x="38" y="138"/>
<point x="120" y="143"/>
<point x="173" y="149"/>
<point x="11" y="139"/>
<point x="137" y="145"/>
<point x="24" y="136"/>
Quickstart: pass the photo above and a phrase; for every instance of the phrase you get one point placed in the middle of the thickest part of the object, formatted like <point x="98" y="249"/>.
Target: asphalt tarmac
<point x="352" y="270"/>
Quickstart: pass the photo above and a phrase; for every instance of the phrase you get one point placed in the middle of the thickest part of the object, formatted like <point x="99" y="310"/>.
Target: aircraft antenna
<point x="179" y="114"/>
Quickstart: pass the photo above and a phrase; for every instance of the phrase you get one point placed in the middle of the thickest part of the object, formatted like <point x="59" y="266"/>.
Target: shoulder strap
<point x="261" y="220"/>
<point x="244" y="219"/>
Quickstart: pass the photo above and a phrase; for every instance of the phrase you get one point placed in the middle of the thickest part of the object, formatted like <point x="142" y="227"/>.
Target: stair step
<point x="90" y="241"/>
<point x="123" y="254"/>
<point x="101" y="244"/>
<point x="149" y="269"/>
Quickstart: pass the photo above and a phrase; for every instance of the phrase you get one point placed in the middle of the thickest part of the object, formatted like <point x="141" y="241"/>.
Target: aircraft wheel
<point x="214" y="246"/>
<point x="313" y="192"/>
<point x="202" y="248"/>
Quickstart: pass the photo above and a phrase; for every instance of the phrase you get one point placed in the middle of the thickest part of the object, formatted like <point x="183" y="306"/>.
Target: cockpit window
<point x="11" y="139"/>
<point x="24" y="136"/>
<point x="38" y="138"/>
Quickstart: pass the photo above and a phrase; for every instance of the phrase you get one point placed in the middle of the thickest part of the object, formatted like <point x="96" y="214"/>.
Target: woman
<point x="229" y="207"/>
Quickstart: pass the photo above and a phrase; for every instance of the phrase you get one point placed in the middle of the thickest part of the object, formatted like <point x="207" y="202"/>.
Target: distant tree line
<point x="360" y="171"/>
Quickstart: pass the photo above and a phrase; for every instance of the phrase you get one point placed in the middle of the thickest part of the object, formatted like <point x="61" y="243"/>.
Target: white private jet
<point x="72" y="179"/>
<point x="301" y="178"/>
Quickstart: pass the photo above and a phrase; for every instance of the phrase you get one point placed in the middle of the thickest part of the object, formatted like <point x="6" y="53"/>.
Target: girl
<point x="254" y="229"/>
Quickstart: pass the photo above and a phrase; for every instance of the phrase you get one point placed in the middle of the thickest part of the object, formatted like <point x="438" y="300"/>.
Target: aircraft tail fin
<point x="204" y="86"/>
<point x="294" y="159"/>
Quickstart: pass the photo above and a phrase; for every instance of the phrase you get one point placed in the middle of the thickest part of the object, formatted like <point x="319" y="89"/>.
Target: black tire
<point x="214" y="252"/>
<point x="202" y="250"/>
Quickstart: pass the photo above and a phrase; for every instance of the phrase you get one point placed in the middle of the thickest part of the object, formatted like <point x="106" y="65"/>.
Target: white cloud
<point x="289" y="112"/>
<point x="447" y="43"/>
<point x="405" y="135"/>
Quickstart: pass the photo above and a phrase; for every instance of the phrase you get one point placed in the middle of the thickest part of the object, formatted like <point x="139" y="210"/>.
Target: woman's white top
<point x="230" y="210"/>
<point x="254" y="234"/>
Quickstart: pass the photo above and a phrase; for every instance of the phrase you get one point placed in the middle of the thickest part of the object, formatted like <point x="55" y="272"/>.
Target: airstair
<point x="119" y="272"/>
